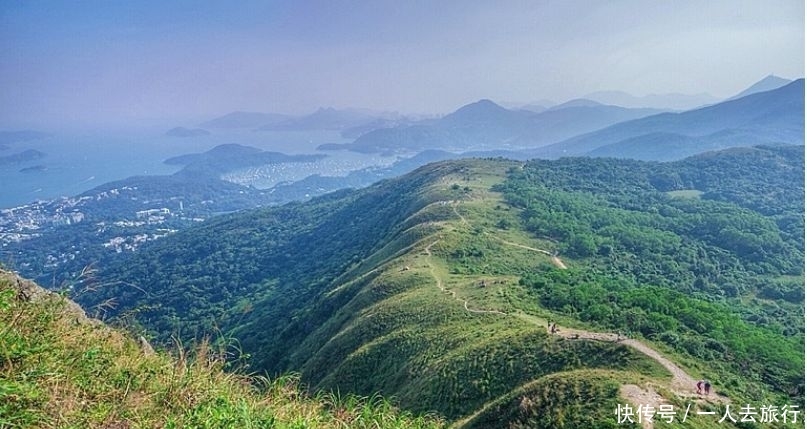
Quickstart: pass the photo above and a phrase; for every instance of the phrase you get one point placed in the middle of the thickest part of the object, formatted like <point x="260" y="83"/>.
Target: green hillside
<point x="59" y="369"/>
<point x="437" y="288"/>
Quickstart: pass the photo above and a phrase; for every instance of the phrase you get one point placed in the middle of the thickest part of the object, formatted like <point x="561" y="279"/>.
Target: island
<point x="34" y="169"/>
<point x="24" y="156"/>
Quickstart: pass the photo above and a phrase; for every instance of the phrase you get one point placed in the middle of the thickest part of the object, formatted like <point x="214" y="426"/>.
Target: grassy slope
<point x="368" y="313"/>
<point x="60" y="369"/>
<point x="397" y="332"/>
<point x="414" y="321"/>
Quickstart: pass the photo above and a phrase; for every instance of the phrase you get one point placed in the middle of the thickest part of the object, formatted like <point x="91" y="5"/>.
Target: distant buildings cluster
<point x="146" y="214"/>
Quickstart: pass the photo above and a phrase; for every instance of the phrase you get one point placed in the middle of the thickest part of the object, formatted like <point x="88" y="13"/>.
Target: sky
<point x="93" y="63"/>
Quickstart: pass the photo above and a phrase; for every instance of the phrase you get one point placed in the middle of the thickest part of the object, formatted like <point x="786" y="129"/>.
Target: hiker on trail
<point x="554" y="328"/>
<point x="699" y="385"/>
<point x="707" y="386"/>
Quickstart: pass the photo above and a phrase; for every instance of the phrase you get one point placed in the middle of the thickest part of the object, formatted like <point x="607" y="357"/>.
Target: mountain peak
<point x="768" y="83"/>
<point x="483" y="109"/>
<point x="242" y="119"/>
<point x="577" y="102"/>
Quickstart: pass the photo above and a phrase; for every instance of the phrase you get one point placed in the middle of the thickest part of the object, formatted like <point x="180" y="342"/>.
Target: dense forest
<point x="705" y="255"/>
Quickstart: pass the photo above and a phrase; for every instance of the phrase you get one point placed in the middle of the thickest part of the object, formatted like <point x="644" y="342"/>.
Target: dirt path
<point x="682" y="384"/>
<point x="640" y="397"/>
<point x="453" y="294"/>
<point x="462" y="218"/>
<point x="555" y="260"/>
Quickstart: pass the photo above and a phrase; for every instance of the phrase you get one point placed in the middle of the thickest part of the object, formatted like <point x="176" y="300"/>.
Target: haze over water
<point x="151" y="66"/>
<point x="75" y="163"/>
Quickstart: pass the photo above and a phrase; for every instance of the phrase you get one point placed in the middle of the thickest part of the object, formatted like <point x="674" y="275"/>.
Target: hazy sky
<point x="106" y="62"/>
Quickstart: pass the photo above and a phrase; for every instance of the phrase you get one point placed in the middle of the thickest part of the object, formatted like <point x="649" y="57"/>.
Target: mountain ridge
<point x="240" y="119"/>
<point x="672" y="101"/>
<point x="777" y="115"/>
<point x="484" y="125"/>
<point x="429" y="288"/>
<point x="768" y="83"/>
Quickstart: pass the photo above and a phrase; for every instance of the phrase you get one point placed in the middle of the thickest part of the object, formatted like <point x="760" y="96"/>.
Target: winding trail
<point x="681" y="384"/>
<point x="453" y="294"/>
<point x="462" y="218"/>
<point x="555" y="259"/>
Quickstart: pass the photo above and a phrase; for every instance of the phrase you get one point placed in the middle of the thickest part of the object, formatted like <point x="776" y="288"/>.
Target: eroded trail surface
<point x="682" y="384"/>
<point x="554" y="257"/>
<point x="453" y="294"/>
<point x="555" y="260"/>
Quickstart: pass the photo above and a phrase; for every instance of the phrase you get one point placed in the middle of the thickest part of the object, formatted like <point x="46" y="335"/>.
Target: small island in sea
<point x="39" y="168"/>
<point x="24" y="156"/>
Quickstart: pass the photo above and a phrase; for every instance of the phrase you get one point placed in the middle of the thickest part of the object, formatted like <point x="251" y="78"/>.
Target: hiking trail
<point x="453" y="294"/>
<point x="681" y="384"/>
<point x="554" y="256"/>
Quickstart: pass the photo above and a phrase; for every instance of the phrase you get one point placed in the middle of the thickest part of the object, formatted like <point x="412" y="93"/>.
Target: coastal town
<point x="63" y="220"/>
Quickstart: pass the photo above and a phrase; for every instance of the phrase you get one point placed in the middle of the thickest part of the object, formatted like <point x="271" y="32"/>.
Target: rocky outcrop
<point x="28" y="291"/>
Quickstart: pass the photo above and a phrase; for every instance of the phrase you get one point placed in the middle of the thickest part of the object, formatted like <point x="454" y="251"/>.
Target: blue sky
<point x="105" y="62"/>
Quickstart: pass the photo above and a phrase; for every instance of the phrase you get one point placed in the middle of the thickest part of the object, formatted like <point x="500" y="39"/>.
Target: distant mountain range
<point x="536" y="106"/>
<point x="576" y="117"/>
<point x="775" y="116"/>
<point x="323" y="119"/>
<point x="656" y="101"/>
<point x="245" y="120"/>
<point x="376" y="124"/>
<point x="352" y="122"/>
<point x="485" y="125"/>
<point x="681" y="101"/>
<point x="601" y="124"/>
<point x="186" y="132"/>
<point x="768" y="83"/>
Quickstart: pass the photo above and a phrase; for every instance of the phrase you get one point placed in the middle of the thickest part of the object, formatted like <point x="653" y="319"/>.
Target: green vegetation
<point x="60" y="369"/>
<point x="718" y="278"/>
<point x="436" y="288"/>
<point x="685" y="193"/>
<point x="544" y="403"/>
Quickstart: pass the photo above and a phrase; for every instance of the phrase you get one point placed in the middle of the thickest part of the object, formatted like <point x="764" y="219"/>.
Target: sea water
<point x="77" y="162"/>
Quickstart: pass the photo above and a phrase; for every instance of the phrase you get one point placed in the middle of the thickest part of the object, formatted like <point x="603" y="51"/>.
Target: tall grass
<point x="59" y="369"/>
